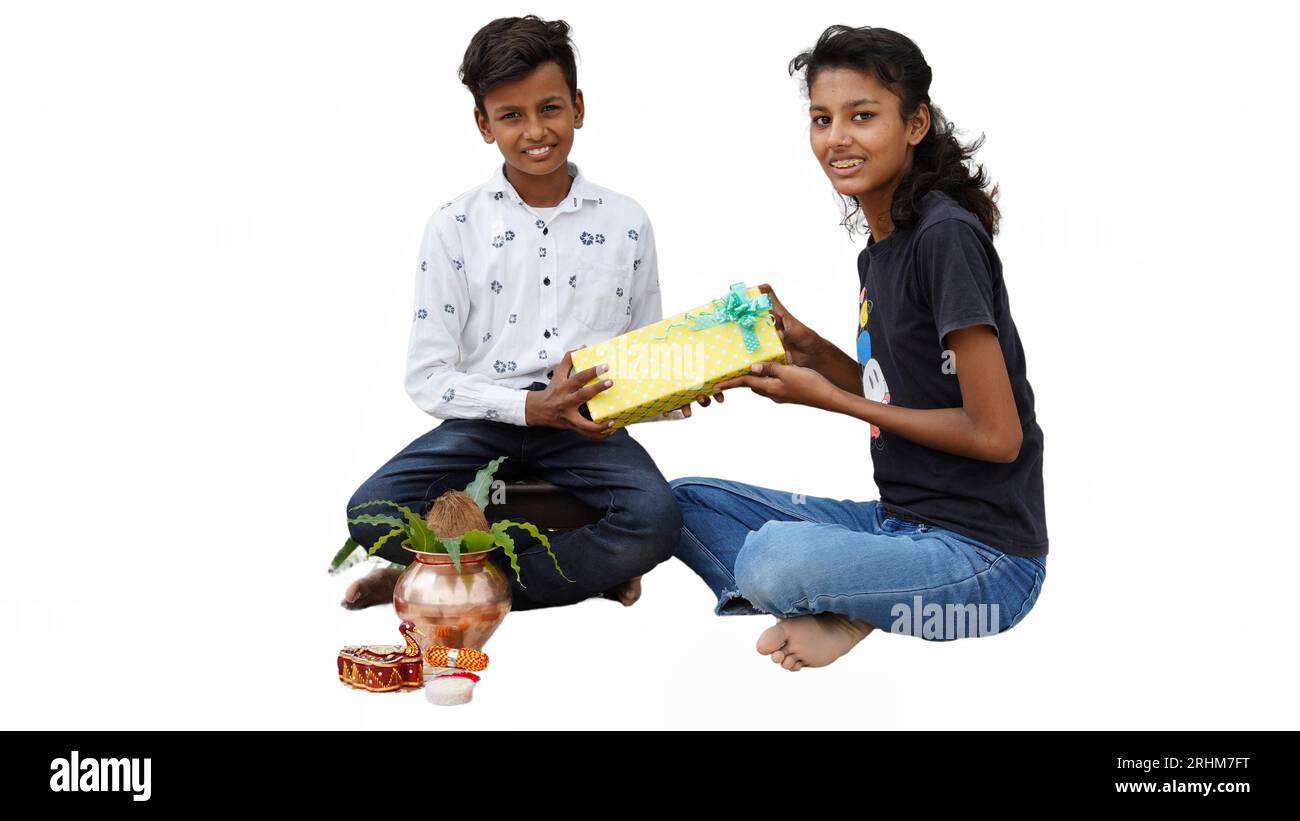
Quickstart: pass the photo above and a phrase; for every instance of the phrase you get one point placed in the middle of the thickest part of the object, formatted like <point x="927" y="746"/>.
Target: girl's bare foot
<point x="811" y="641"/>
<point x="376" y="588"/>
<point x="626" y="593"/>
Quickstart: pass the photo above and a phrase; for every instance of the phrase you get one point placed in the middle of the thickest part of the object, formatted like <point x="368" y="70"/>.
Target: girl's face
<point x="858" y="135"/>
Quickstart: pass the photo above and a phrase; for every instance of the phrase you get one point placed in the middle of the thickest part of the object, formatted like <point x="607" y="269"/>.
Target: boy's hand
<point x="557" y="406"/>
<point x="786" y="383"/>
<point x="801" y="342"/>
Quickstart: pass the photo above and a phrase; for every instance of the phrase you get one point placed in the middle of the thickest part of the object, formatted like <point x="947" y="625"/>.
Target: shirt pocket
<point x="604" y="294"/>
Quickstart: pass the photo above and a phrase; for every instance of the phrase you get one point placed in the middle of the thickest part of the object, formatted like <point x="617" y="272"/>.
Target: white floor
<point x="206" y="329"/>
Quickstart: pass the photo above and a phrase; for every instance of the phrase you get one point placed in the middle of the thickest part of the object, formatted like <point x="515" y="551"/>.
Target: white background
<point x="210" y="215"/>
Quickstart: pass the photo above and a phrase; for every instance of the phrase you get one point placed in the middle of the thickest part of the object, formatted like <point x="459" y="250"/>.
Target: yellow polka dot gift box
<point x="664" y="366"/>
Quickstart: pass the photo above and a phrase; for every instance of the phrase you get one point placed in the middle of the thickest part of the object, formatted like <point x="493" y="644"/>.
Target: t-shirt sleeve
<point x="955" y="276"/>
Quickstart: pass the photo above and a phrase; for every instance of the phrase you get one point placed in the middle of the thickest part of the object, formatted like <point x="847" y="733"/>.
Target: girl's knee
<point x="767" y="571"/>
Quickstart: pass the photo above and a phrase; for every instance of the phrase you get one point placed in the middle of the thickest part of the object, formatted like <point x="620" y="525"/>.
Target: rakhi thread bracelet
<point x="466" y="658"/>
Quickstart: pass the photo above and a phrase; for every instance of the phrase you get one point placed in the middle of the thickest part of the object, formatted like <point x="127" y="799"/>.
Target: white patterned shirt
<point x="502" y="292"/>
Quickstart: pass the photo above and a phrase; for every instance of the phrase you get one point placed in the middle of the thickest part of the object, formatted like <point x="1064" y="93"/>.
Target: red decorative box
<point x="383" y="668"/>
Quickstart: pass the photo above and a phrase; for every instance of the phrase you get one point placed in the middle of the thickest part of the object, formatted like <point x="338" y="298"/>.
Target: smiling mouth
<point x="540" y="151"/>
<point x="846" y="163"/>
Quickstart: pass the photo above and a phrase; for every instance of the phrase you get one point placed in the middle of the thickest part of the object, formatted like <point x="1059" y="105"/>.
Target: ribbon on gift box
<point x="737" y="307"/>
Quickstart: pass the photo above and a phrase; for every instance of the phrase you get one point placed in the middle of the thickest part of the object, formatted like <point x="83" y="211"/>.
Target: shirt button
<point x="546" y="231"/>
<point x="546" y="281"/>
<point x="546" y="334"/>
<point x="550" y="374"/>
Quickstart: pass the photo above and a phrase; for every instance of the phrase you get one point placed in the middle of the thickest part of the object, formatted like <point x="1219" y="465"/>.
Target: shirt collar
<point x="580" y="191"/>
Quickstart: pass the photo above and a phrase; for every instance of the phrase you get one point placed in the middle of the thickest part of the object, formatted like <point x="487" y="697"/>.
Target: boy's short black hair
<point x="511" y="47"/>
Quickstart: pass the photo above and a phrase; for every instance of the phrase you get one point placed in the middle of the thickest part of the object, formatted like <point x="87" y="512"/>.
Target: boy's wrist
<point x="532" y="408"/>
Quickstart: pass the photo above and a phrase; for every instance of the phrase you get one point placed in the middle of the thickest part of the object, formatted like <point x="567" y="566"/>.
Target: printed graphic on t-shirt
<point x="874" y="386"/>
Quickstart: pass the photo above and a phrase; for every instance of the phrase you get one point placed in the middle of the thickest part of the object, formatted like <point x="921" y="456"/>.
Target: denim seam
<point x="987" y="551"/>
<point x="608" y="492"/>
<point x="752" y="498"/>
<point x="1038" y="580"/>
<point x="804" y="601"/>
<point x="687" y="532"/>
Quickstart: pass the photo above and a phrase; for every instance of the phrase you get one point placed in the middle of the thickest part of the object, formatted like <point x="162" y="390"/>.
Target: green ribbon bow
<point x="735" y="307"/>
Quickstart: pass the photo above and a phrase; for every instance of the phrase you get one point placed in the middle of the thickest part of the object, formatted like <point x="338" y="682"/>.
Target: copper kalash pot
<point x="453" y="608"/>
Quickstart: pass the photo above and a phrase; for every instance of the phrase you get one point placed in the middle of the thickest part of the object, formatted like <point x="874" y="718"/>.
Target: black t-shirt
<point x="917" y="286"/>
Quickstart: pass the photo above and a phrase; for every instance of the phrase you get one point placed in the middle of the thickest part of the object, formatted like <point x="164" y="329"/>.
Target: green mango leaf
<point x="349" y="547"/>
<point x="397" y="531"/>
<point x="478" y="489"/>
<point x="508" y="547"/>
<point x="421" y="537"/>
<point x="376" y="519"/>
<point x="374" y="502"/>
<point x="452" y="548"/>
<point x="476" y="541"/>
<point x="418" y="535"/>
<point x="500" y="527"/>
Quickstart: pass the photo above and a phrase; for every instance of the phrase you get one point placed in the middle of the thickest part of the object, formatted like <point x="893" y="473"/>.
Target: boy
<point x="536" y="262"/>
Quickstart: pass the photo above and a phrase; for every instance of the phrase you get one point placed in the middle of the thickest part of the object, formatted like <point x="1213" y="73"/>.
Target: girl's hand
<point x="702" y="399"/>
<point x="801" y="342"/>
<point x="785" y="383"/>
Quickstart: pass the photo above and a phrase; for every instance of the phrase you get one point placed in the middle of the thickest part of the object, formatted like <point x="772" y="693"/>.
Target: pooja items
<point x="383" y="668"/>
<point x="450" y="689"/>
<point x="457" y="607"/>
<point x="466" y="658"/>
<point x="450" y="590"/>
<point x="664" y="366"/>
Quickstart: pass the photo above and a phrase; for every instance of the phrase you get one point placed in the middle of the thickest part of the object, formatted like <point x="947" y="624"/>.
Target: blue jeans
<point x="769" y="551"/>
<point x="638" y="531"/>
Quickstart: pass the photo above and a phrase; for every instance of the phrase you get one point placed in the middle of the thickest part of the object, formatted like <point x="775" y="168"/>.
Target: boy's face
<point x="857" y="134"/>
<point x="532" y="121"/>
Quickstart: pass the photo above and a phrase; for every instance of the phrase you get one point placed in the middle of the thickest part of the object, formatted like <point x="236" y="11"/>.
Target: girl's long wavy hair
<point x="940" y="162"/>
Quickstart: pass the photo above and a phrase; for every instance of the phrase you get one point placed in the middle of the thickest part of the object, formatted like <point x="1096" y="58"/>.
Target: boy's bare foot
<point x="626" y="593"/>
<point x="376" y="588"/>
<point x="811" y="641"/>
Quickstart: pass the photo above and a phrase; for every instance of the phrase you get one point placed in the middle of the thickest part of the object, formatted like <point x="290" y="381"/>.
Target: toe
<point x="778" y="656"/>
<point x="352" y="596"/>
<point x="771" y="639"/>
<point x="631" y="592"/>
<point x="790" y="662"/>
<point x="798" y="665"/>
<point x="626" y="593"/>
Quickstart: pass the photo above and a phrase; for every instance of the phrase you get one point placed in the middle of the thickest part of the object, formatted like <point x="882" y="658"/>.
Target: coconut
<point x="453" y="513"/>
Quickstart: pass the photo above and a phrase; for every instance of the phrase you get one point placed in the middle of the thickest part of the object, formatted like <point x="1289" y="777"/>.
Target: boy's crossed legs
<point x="639" y="528"/>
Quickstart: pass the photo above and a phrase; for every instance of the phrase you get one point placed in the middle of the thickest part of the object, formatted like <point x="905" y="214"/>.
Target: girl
<point x="957" y="544"/>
